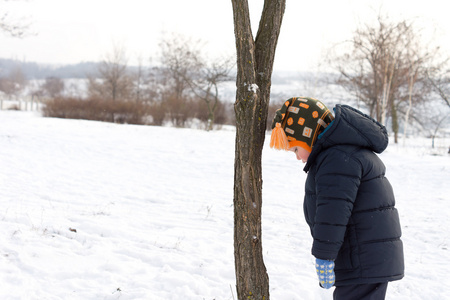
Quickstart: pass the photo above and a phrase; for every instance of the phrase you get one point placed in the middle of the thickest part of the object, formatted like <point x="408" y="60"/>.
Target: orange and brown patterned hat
<point x="298" y="123"/>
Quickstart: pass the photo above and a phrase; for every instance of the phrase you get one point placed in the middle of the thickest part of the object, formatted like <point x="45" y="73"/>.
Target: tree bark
<point x="412" y="80"/>
<point x="254" y="70"/>
<point x="395" y="125"/>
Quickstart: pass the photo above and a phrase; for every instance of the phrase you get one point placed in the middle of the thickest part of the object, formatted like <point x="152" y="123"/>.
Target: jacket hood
<point x="350" y="127"/>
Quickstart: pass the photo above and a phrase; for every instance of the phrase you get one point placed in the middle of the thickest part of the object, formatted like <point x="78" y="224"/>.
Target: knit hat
<point x="298" y="123"/>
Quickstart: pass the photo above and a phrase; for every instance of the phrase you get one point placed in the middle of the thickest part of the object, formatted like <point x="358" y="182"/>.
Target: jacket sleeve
<point x="337" y="181"/>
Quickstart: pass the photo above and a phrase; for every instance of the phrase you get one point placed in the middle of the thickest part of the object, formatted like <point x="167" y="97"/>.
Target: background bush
<point x="96" y="109"/>
<point x="174" y="111"/>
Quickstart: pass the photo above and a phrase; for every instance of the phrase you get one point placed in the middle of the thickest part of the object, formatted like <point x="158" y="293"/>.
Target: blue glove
<point x="325" y="272"/>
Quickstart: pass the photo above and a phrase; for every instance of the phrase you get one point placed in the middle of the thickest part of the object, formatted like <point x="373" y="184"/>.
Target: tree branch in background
<point x="12" y="27"/>
<point x="440" y="81"/>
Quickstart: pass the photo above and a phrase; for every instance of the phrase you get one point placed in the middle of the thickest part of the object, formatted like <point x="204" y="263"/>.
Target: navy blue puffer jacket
<point x="349" y="203"/>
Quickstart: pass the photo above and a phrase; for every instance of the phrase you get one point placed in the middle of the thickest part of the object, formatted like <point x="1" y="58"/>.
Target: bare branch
<point x="13" y="27"/>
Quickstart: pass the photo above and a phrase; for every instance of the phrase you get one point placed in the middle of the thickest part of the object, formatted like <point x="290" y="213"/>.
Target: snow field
<point x="93" y="210"/>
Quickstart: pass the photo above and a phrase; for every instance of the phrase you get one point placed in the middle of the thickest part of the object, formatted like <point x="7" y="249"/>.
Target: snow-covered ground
<point x="92" y="210"/>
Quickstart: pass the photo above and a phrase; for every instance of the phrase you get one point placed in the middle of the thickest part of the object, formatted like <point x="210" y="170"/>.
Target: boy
<point x="349" y="205"/>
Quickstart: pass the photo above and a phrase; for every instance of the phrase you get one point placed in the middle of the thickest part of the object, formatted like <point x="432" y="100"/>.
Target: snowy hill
<point x="93" y="210"/>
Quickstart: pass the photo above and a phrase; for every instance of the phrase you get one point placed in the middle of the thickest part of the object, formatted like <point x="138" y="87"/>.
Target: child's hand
<point x="325" y="271"/>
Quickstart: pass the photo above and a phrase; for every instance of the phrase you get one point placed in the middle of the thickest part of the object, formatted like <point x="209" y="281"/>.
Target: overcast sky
<point x="73" y="31"/>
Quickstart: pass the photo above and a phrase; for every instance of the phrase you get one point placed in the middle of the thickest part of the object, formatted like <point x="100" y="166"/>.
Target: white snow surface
<point x="93" y="210"/>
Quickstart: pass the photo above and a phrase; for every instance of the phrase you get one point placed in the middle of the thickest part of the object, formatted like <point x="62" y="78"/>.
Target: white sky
<point x="72" y="31"/>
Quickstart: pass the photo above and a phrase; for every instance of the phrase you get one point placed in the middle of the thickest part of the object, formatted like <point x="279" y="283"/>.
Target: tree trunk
<point x="412" y="80"/>
<point x="254" y="70"/>
<point x="387" y="87"/>
<point x="395" y="126"/>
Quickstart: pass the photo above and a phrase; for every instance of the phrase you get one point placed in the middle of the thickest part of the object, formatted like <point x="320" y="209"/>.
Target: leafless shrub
<point x="157" y="112"/>
<point x="96" y="109"/>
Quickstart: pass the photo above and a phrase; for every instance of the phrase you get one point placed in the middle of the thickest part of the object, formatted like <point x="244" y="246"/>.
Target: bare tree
<point x="370" y="70"/>
<point x="439" y="79"/>
<point x="255" y="58"/>
<point x="13" y="84"/>
<point x="53" y="87"/>
<point x="386" y="68"/>
<point x="114" y="82"/>
<point x="139" y="81"/>
<point x="438" y="122"/>
<point x="188" y="70"/>
<point x="205" y="84"/>
<point x="180" y="59"/>
<point x="217" y="73"/>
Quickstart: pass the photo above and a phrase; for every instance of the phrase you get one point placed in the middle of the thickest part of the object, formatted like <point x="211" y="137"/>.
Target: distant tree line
<point x="182" y="90"/>
<point x="36" y="71"/>
<point x="386" y="68"/>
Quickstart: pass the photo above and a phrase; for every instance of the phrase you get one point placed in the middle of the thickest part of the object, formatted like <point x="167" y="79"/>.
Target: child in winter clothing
<point x="349" y="204"/>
